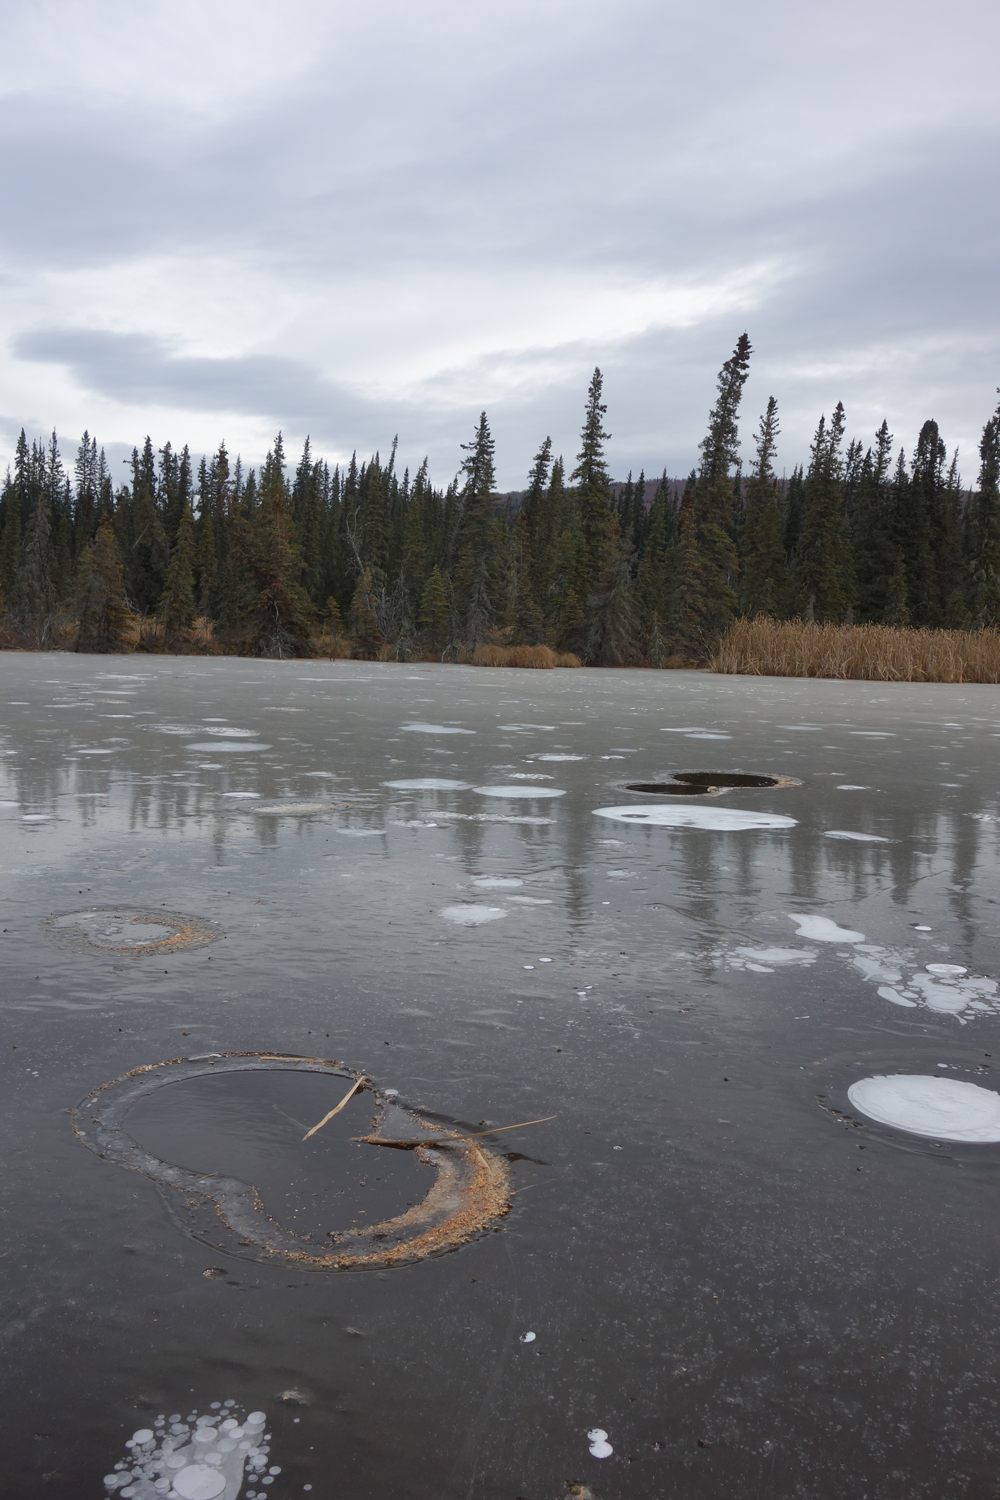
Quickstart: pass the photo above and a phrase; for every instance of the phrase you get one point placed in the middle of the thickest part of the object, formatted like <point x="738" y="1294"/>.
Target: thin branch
<point x="337" y="1108"/>
<point x="444" y="1140"/>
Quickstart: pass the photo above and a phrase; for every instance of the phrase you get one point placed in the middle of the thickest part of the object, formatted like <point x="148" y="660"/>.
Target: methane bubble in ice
<point x="822" y="930"/>
<point x="687" y="815"/>
<point x="599" y="1445"/>
<point x="471" y="915"/>
<point x="860" y="838"/>
<point x="560" y="757"/>
<point x="527" y="1338"/>
<point x="945" y="1108"/>
<point x="428" y="784"/>
<point x="519" y="791"/>
<point x="947" y="971"/>
<point x="435" y="729"/>
<point x="510" y="881"/>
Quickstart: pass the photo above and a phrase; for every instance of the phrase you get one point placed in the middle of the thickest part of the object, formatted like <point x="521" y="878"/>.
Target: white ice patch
<point x="559" y="757"/>
<point x="470" y="915"/>
<point x="435" y="729"/>
<point x="532" y="901"/>
<point x="359" y="833"/>
<point x="217" y="746"/>
<point x="599" y="1445"/>
<point x="822" y="930"/>
<point x="859" y="838"/>
<point x="528" y="1338"/>
<point x="227" y="732"/>
<point x="849" y="787"/>
<point x="946" y="1109"/>
<point x="519" y="791"/>
<point x="705" y="735"/>
<point x="529" y="776"/>
<point x="241" y="794"/>
<point x="874" y="734"/>
<point x="291" y="809"/>
<point x="765" y="960"/>
<point x="688" y="815"/>
<point x="428" y="784"/>
<point x="511" y="881"/>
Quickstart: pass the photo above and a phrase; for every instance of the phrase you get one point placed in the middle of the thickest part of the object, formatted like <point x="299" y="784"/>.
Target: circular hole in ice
<point x="519" y="791"/>
<point x="715" y="819"/>
<point x="946" y="1109"/>
<point x="199" y="1482"/>
<point x="947" y="971"/>
<point x="470" y="915"/>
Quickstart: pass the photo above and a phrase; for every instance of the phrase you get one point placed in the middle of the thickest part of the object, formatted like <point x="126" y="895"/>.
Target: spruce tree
<point x="594" y="487"/>
<point x="106" y="622"/>
<point x="611" y="628"/>
<point x="822" y="575"/>
<point x="763" y="579"/>
<point x="476" y="536"/>
<point x="435" y="610"/>
<point x="687" y="595"/>
<point x="880" y="571"/>
<point x="983" y="531"/>
<point x="714" y="511"/>
<point x="176" y="607"/>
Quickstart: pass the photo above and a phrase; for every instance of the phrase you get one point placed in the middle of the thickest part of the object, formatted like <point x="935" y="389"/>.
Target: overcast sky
<point x="222" y="217"/>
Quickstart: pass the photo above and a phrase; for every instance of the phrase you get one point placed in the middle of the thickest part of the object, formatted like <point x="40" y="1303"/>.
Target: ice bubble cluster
<point x="435" y="729"/>
<point x="944" y="1108"/>
<point x="519" y="791"/>
<point x="205" y="1457"/>
<point x="427" y="784"/>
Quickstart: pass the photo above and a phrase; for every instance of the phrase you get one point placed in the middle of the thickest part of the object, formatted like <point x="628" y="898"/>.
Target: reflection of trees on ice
<point x="200" y="1458"/>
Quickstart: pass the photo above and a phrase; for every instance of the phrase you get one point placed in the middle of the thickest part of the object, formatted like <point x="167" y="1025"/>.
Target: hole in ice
<point x="250" y="1126"/>
<point x="435" y="729"/>
<point x="715" y="819"/>
<point x="519" y="791"/>
<point x="667" y="789"/>
<point x="134" y="930"/>
<point x="858" y="838"/>
<point x="428" y="784"/>
<point x="256" y="1159"/>
<point x="498" y="880"/>
<point x="822" y="930"/>
<point x="471" y="915"/>
<point x="946" y="1109"/>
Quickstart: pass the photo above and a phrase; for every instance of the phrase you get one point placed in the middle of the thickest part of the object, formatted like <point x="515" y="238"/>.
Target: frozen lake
<point x="739" y="1280"/>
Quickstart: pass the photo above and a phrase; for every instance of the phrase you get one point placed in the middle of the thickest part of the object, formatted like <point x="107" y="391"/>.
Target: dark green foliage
<point x="822" y="570"/>
<point x="714" y="493"/>
<point x="763" y="584"/>
<point x="581" y="565"/>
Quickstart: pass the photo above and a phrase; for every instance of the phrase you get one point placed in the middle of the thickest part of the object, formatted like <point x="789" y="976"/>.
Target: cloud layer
<point x="224" y="219"/>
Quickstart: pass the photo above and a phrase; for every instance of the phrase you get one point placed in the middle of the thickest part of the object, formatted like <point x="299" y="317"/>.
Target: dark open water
<point x="750" y="1290"/>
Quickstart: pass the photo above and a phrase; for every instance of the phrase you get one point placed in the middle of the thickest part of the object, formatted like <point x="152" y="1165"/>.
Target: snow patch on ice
<point x="687" y="815"/>
<point x="470" y="915"/>
<point x="946" y="1109"/>
<point x="822" y="930"/>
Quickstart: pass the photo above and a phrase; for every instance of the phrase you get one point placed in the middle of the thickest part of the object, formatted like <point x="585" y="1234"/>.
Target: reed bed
<point x="876" y="653"/>
<point x="522" y="656"/>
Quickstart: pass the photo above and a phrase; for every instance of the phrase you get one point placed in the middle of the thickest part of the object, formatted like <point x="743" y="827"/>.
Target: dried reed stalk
<point x="875" y="653"/>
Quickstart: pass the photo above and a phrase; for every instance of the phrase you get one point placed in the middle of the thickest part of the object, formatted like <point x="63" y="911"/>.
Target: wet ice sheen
<point x="947" y="1109"/>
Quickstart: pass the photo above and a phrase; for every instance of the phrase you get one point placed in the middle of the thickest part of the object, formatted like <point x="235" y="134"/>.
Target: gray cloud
<point x="506" y="148"/>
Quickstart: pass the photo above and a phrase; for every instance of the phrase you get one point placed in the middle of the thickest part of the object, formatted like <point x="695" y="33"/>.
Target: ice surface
<point x="471" y="915"/>
<point x="686" y="815"/>
<point x="948" y="1109"/>
<point x="428" y="784"/>
<point x="498" y="880"/>
<point x="519" y="791"/>
<point x="861" y="838"/>
<point x="435" y="729"/>
<point x="823" y="930"/>
<point x="216" y="746"/>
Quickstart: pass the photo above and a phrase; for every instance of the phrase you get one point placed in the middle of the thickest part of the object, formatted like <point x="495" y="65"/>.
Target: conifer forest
<point x="293" y="559"/>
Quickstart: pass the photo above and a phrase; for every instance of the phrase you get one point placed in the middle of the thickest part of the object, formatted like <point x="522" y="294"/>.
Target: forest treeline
<point x="286" y="561"/>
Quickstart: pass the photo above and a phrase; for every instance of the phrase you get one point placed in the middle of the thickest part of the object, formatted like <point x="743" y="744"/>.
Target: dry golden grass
<point x="877" y="653"/>
<point x="522" y="656"/>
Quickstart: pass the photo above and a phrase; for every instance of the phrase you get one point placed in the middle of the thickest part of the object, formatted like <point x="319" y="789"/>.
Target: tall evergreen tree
<point x="106" y="622"/>
<point x="176" y="606"/>
<point x="714" y="493"/>
<point x="594" y="487"/>
<point x="983" y="531"/>
<point x="763" y="580"/>
<point x="822" y="579"/>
